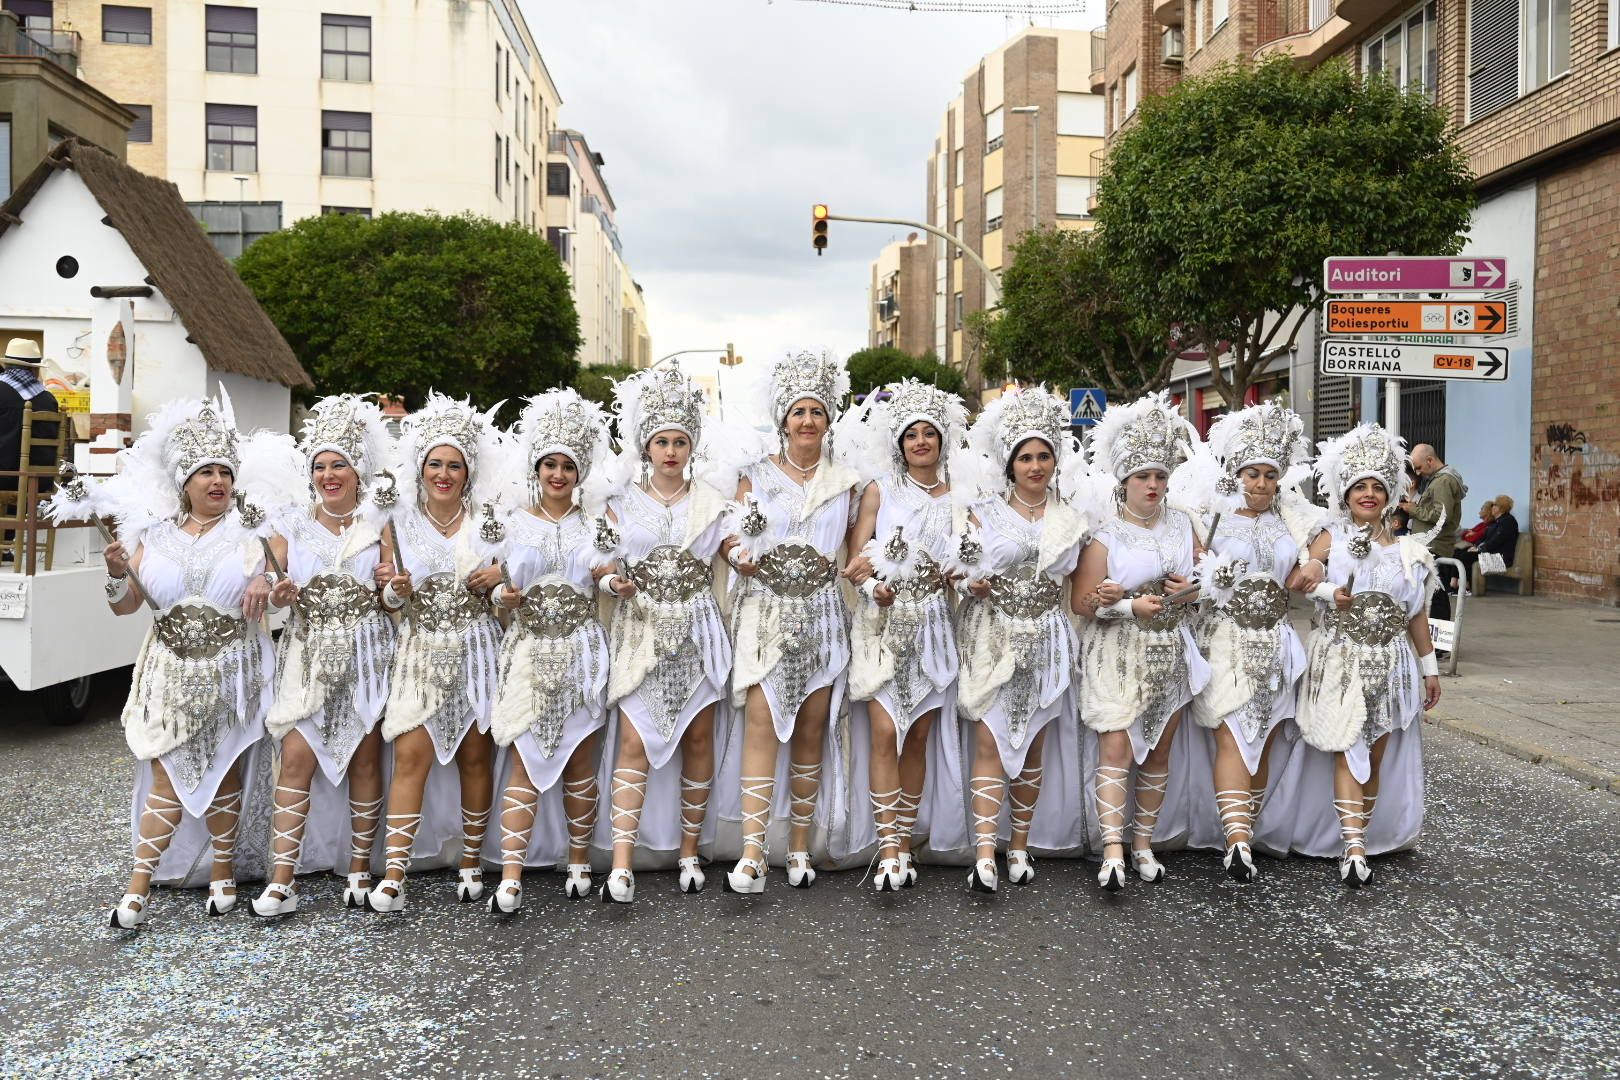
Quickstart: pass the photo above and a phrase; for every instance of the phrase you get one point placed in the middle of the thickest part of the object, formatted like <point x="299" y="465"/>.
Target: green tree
<point x="595" y="383"/>
<point x="1065" y="321"/>
<point x="876" y="367"/>
<point x="407" y="302"/>
<point x="1220" y="202"/>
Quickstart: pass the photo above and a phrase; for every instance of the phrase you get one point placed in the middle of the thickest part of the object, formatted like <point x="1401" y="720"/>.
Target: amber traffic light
<point x="818" y="227"/>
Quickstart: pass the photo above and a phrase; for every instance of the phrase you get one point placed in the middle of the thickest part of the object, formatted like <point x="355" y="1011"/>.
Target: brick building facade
<point x="1533" y="94"/>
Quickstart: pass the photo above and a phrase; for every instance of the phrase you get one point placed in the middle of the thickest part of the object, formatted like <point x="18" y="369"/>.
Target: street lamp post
<point x="1034" y="114"/>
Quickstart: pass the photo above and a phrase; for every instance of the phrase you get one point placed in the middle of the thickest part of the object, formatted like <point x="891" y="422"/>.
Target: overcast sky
<point x="723" y="121"/>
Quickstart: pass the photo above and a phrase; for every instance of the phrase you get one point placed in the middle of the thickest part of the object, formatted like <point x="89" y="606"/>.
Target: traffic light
<point x="731" y="359"/>
<point x="818" y="227"/>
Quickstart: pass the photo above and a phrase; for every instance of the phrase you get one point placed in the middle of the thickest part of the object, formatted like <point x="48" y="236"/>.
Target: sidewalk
<point x="1540" y="679"/>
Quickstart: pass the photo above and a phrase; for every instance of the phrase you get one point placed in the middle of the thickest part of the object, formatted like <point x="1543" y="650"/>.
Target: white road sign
<point x="1390" y="360"/>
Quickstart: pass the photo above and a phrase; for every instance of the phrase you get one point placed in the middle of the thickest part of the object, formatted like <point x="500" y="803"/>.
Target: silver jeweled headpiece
<point x="444" y="422"/>
<point x="1366" y="450"/>
<point x="342" y="424"/>
<point x="1031" y="412"/>
<point x="562" y="422"/>
<point x="667" y="401"/>
<point x="911" y="401"/>
<point x="1148" y="433"/>
<point x="207" y="438"/>
<point x="805" y="374"/>
<point x="1266" y="434"/>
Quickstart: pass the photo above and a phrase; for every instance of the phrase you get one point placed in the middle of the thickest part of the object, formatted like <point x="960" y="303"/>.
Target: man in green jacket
<point x="1439" y="503"/>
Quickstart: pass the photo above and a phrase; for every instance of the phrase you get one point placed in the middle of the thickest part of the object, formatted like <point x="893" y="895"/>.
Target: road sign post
<point x="1395" y="360"/>
<point x="1396" y="274"/>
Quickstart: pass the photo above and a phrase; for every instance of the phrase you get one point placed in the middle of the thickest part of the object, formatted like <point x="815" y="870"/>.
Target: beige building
<point x="580" y="224"/>
<point x="1019" y="147"/>
<point x="43" y="101"/>
<point x="264" y="113"/>
<point x="900" y="309"/>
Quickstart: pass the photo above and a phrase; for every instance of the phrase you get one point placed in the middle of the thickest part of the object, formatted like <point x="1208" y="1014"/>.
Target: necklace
<point x="541" y="506"/>
<point x="680" y="493"/>
<point x="920" y="486"/>
<point x="1146" y="520"/>
<point x="804" y="470"/>
<point x="341" y="519"/>
<point x="444" y="525"/>
<point x="202" y="524"/>
<point x="1019" y="499"/>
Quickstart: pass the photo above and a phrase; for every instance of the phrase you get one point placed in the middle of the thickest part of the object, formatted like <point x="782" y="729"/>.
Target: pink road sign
<point x="1396" y="273"/>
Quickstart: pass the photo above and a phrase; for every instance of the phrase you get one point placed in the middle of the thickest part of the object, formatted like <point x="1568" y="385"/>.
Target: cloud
<point x="723" y="121"/>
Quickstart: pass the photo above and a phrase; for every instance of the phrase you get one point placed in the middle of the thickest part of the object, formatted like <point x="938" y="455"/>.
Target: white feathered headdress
<point x="1364" y="451"/>
<point x="868" y="438"/>
<point x="1028" y="412"/>
<point x="561" y="422"/>
<point x="648" y="402"/>
<point x="1148" y="433"/>
<point x="273" y="482"/>
<point x="443" y="421"/>
<point x="179" y="439"/>
<point x="795" y="375"/>
<point x="348" y="424"/>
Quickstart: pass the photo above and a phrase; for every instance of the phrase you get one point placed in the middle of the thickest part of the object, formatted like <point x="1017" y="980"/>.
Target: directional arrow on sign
<point x="1395" y="360"/>
<point x="1489" y="318"/>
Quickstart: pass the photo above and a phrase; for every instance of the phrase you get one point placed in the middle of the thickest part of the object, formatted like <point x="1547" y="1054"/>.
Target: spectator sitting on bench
<point x="1501" y="538"/>
<point x="1468" y="539"/>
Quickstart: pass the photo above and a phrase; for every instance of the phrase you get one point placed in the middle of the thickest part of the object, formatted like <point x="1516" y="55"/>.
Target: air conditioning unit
<point x="1172" y="45"/>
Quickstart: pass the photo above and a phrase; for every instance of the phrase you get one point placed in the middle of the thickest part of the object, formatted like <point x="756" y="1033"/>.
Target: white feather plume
<point x="1218" y="574"/>
<point x="860" y="440"/>
<point x="893" y="556"/>
<point x="756" y="526"/>
<point x="273" y="481"/>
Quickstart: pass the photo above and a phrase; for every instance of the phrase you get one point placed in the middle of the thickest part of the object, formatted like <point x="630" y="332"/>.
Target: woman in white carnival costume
<point x="1140" y="665"/>
<point x="336" y="650"/>
<point x="442" y="688"/>
<point x="202" y="680"/>
<point x="554" y="664"/>
<point x="790" y="624"/>
<point x="904" y="663"/>
<point x="1016" y="639"/>
<point x="670" y="651"/>
<point x="1371" y="669"/>
<point x="1245" y="479"/>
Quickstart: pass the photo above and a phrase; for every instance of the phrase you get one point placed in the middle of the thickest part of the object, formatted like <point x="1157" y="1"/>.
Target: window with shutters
<point x="1074" y="196"/>
<point x="1130" y="82"/>
<point x="993" y="121"/>
<point x="1493" y="56"/>
<point x="1546" y="41"/>
<point x="345" y="143"/>
<point x="1080" y="114"/>
<point x="234" y="226"/>
<point x="346" y="48"/>
<point x="1405" y="52"/>
<point x="992" y="210"/>
<point x="961" y="170"/>
<point x="347" y="211"/>
<point x="1198" y="24"/>
<point x="557" y="179"/>
<point x="122" y="25"/>
<point x="1614" y="24"/>
<point x="497" y="166"/>
<point x="1217" y="14"/>
<point x="233" y="138"/>
<point x="233" y="39"/>
<point x="141" y="130"/>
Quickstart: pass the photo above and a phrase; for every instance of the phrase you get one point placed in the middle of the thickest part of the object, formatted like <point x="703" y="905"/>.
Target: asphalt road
<point x="1489" y="952"/>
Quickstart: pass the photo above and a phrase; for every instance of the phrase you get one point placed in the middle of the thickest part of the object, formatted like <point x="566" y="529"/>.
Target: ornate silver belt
<point x="796" y="570"/>
<point x="443" y="602"/>
<point x="1023" y="593"/>
<point x="333" y="602"/>
<point x="196" y="631"/>
<point x="925" y="583"/>
<point x="669" y="575"/>
<point x="553" y="610"/>
<point x="1258" y="603"/>
<point x="1374" y="618"/>
<point x="1169" y="616"/>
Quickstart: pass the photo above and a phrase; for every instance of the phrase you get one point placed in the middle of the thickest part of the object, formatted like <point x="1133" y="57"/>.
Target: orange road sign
<point x="1416" y="317"/>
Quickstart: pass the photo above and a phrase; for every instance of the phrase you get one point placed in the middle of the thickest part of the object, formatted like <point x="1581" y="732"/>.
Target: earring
<point x="646" y="467"/>
<point x="534" y="490"/>
<point x="1119" y="494"/>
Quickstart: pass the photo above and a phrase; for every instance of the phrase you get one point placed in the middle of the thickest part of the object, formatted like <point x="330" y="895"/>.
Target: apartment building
<point x="1532" y="88"/>
<point x="900" y="309"/>
<point x="265" y="113"/>
<point x="43" y="101"/>
<point x="1018" y="148"/>
<point x="580" y="225"/>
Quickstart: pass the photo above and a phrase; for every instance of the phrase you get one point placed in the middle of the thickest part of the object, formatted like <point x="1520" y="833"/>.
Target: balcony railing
<point x="60" y="47"/>
<point x="1099" y="48"/>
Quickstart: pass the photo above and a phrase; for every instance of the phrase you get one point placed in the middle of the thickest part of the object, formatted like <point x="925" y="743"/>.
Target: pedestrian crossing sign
<point x="1086" y="405"/>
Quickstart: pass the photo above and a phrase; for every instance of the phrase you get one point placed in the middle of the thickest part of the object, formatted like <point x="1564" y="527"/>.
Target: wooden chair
<point x="19" y="512"/>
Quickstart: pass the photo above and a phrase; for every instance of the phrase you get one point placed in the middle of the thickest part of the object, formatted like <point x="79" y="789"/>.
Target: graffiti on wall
<point x="1577" y="498"/>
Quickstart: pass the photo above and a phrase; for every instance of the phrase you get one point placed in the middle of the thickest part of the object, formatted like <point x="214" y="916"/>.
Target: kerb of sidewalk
<point x="1539" y="679"/>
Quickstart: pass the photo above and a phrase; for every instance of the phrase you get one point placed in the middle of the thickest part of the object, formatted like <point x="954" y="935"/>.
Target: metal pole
<point x="1035" y="169"/>
<point x="991" y="277"/>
